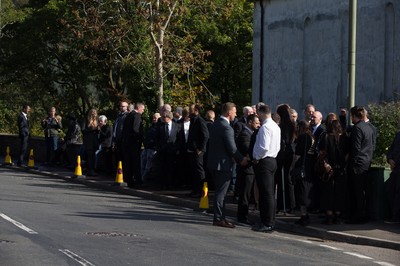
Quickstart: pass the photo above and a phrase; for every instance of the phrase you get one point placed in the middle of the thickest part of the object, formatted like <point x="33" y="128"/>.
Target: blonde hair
<point x="92" y="119"/>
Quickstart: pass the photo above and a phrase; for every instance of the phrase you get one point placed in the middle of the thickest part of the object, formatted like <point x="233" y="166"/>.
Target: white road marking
<point x="76" y="257"/>
<point x="384" y="263"/>
<point x="358" y="255"/>
<point x="18" y="224"/>
<point x="326" y="246"/>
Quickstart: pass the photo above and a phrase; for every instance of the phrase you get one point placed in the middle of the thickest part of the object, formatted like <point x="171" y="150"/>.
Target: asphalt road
<point x="45" y="221"/>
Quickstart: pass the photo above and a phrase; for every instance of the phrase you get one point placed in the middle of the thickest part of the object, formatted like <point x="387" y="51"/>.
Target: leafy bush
<point x="386" y="118"/>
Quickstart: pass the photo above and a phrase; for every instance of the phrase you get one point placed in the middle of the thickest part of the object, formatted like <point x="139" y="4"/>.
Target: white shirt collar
<point x="226" y="119"/>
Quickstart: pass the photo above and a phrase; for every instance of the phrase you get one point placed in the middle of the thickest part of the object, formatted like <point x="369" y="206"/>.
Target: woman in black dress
<point x="304" y="156"/>
<point x="284" y="161"/>
<point x="334" y="145"/>
<point x="90" y="131"/>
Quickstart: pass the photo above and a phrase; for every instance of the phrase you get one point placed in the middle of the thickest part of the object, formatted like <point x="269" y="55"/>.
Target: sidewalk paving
<point x="374" y="233"/>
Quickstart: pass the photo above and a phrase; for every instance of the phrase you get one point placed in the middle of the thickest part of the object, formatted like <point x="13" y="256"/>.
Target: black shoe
<point x="243" y="221"/>
<point x="303" y="221"/>
<point x="357" y="221"/>
<point x="263" y="228"/>
<point x="328" y="220"/>
<point x="337" y="220"/>
<point x="392" y="221"/>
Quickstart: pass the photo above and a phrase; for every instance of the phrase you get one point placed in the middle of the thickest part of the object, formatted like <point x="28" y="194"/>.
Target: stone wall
<point x="300" y="53"/>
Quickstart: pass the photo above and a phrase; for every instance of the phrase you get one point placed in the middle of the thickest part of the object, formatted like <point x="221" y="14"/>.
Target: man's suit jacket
<point x="238" y="126"/>
<point x="198" y="134"/>
<point x="223" y="149"/>
<point x="132" y="131"/>
<point x="317" y="135"/>
<point x="168" y="142"/>
<point x="362" y="147"/>
<point x="23" y="126"/>
<point x="243" y="144"/>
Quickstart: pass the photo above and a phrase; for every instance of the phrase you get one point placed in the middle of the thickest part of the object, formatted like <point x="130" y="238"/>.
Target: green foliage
<point x="385" y="117"/>
<point x="76" y="55"/>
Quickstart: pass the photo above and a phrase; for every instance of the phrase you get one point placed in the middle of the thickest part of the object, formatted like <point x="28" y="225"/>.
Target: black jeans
<point x="265" y="172"/>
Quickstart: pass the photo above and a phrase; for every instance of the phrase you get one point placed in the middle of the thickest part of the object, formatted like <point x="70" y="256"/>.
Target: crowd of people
<point x="271" y="159"/>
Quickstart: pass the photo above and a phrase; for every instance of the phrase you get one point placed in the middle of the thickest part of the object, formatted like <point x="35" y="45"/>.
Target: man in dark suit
<point x="222" y="152"/>
<point x="23" y="132"/>
<point x="241" y="123"/>
<point x="168" y="141"/>
<point x="245" y="174"/>
<point x="196" y="147"/>
<point x="132" y="138"/>
<point x="117" y="131"/>
<point x="362" y="148"/>
<point x="318" y="130"/>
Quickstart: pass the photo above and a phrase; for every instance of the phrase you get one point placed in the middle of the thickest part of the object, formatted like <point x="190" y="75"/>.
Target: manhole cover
<point x="111" y="234"/>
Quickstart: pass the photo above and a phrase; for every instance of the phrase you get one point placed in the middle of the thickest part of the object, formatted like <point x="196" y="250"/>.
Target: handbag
<point x="298" y="173"/>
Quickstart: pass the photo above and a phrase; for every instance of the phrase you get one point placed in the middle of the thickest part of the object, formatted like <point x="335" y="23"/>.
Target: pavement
<point x="374" y="233"/>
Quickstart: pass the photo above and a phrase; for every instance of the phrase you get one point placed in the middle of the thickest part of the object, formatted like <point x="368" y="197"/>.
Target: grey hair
<point x="103" y="117"/>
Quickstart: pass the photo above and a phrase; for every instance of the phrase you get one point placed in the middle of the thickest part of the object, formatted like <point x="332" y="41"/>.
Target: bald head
<point x="316" y="118"/>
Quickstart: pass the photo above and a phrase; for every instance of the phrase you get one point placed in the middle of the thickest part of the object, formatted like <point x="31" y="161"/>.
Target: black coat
<point x="23" y="126"/>
<point x="132" y="131"/>
<point x="198" y="134"/>
<point x="105" y="136"/>
<point x="362" y="147"/>
<point x="243" y="144"/>
<point x="165" y="143"/>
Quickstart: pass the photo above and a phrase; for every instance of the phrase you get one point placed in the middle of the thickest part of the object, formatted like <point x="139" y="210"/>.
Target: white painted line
<point x="358" y="255"/>
<point x="306" y="241"/>
<point x="18" y="224"/>
<point x="76" y="257"/>
<point x="384" y="263"/>
<point x="334" y="248"/>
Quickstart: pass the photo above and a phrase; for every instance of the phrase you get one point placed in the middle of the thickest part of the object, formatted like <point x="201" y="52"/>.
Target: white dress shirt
<point x="268" y="140"/>
<point x="186" y="126"/>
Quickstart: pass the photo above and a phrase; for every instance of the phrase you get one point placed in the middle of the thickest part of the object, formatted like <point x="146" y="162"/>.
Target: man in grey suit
<point x="222" y="153"/>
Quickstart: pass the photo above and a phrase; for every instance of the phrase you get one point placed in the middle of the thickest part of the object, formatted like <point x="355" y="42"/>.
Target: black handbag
<point x="298" y="173"/>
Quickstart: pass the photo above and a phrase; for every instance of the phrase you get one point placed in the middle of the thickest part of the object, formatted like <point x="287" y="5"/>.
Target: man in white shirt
<point x="266" y="148"/>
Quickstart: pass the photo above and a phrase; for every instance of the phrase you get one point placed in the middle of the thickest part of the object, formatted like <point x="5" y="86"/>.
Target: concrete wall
<point x="300" y="52"/>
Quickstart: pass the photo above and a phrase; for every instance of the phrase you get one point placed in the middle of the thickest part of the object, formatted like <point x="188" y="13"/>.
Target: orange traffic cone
<point x="204" y="197"/>
<point x="119" y="179"/>
<point x="78" y="169"/>
<point x="7" y="160"/>
<point x="31" y="162"/>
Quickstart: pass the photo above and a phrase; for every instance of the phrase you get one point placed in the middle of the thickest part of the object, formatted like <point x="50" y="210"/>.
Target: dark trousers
<point x="265" y="171"/>
<point x="393" y="193"/>
<point x="287" y="184"/>
<point x="222" y="180"/>
<point x="24" y="146"/>
<point x="131" y="166"/>
<point x="244" y="188"/>
<point x="197" y="171"/>
<point x="357" y="191"/>
<point x="90" y="159"/>
<point x="51" y="147"/>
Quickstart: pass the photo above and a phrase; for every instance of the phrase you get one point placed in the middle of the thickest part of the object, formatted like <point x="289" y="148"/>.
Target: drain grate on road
<point x="111" y="234"/>
<point x="2" y="241"/>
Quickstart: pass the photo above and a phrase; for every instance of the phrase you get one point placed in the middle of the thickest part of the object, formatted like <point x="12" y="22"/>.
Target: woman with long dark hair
<point x="334" y="146"/>
<point x="284" y="160"/>
<point x="90" y="130"/>
<point x="304" y="158"/>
